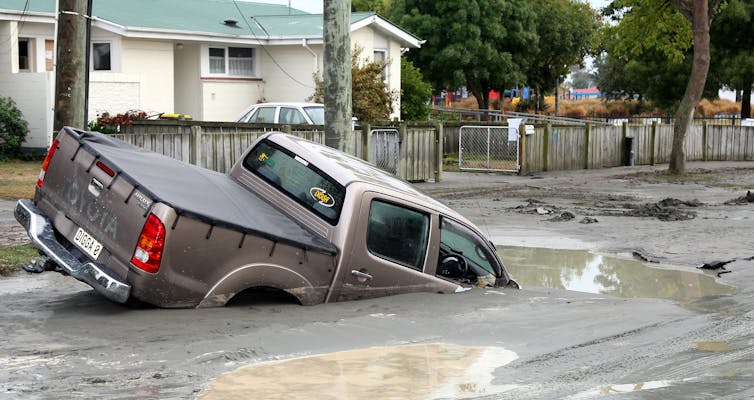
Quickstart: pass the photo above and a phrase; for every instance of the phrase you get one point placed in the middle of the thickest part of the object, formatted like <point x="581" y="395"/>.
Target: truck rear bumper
<point x="42" y="235"/>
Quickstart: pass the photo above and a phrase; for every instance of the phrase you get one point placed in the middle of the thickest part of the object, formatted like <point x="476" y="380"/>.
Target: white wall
<point x="33" y="94"/>
<point x="188" y="85"/>
<point x="8" y="47"/>
<point x="114" y="93"/>
<point x="152" y="63"/>
<point x="223" y="100"/>
<point x="293" y="79"/>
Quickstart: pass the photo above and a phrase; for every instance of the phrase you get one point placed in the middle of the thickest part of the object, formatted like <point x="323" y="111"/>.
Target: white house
<point x="208" y="59"/>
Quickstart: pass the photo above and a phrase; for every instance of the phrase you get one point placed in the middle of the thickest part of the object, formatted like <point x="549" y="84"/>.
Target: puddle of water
<point x="427" y="371"/>
<point x="601" y="392"/>
<point x="583" y="271"/>
<point x="712" y="346"/>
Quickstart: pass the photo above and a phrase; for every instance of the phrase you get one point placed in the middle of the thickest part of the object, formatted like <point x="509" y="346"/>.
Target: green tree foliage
<point x="13" y="128"/>
<point x="732" y="36"/>
<point x="480" y="44"/>
<point x="382" y="7"/>
<point x="415" y="92"/>
<point x="565" y="29"/>
<point x="670" y="27"/>
<point x="372" y="99"/>
<point x="582" y="79"/>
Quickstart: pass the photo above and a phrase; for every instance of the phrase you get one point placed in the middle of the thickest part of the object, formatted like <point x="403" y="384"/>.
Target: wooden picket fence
<point x="218" y="145"/>
<point x="554" y="147"/>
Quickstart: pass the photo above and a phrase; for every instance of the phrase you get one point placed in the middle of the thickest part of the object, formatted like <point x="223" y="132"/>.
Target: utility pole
<point x="71" y="65"/>
<point x="337" y="73"/>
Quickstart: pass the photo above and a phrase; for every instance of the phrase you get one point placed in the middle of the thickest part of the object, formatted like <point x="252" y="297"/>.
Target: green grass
<point x="11" y="257"/>
<point x="18" y="179"/>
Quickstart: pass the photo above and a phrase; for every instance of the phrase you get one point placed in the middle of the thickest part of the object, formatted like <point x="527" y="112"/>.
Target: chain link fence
<point x="488" y="148"/>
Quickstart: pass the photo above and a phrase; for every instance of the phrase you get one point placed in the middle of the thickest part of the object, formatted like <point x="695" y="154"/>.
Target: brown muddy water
<point x="443" y="371"/>
<point x="582" y="271"/>
<point x="425" y="371"/>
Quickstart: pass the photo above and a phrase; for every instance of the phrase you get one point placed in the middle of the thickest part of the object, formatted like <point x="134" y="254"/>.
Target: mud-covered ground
<point x="60" y="340"/>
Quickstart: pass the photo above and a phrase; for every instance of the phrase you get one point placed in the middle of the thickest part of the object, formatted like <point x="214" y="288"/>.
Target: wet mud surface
<point x="61" y="340"/>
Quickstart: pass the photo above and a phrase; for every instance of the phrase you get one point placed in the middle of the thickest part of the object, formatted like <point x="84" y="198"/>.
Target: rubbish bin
<point x="628" y="152"/>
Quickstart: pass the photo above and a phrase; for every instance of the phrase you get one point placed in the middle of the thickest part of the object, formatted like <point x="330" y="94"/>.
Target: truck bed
<point x="198" y="193"/>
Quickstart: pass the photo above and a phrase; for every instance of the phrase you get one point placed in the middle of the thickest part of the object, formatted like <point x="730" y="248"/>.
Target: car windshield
<point x="298" y="179"/>
<point x="316" y="113"/>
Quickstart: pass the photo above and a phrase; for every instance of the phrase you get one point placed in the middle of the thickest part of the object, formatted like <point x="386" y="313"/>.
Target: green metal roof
<point x="259" y="20"/>
<point x="36" y="6"/>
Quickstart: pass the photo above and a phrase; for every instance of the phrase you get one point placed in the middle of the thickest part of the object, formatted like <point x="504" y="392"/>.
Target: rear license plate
<point x="87" y="243"/>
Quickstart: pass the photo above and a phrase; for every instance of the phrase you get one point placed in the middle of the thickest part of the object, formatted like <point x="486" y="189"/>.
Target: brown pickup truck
<point x="291" y="215"/>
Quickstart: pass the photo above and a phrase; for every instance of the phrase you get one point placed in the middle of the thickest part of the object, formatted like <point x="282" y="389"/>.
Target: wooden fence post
<point x="625" y="153"/>
<point x="704" y="140"/>
<point x="653" y="144"/>
<point x="286" y="128"/>
<point x="403" y="157"/>
<point x="365" y="130"/>
<point x="546" y="147"/>
<point x="587" y="129"/>
<point x="439" y="137"/>
<point x="195" y="145"/>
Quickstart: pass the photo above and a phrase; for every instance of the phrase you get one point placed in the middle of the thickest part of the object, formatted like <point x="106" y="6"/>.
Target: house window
<point x="23" y="54"/>
<point x="101" y="57"/>
<point x="381" y="56"/>
<point x="231" y="61"/>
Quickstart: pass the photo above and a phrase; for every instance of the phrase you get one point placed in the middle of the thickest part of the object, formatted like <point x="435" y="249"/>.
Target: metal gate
<point x="384" y="151"/>
<point x="488" y="148"/>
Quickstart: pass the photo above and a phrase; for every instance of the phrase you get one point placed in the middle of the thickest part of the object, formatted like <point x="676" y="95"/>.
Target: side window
<point x="290" y="115"/>
<point x="397" y="234"/>
<point x="464" y="255"/>
<point x="264" y="115"/>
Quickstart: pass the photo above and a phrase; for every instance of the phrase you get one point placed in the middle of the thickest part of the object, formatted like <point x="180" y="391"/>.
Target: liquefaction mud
<point x="583" y="271"/>
<point x="426" y="371"/>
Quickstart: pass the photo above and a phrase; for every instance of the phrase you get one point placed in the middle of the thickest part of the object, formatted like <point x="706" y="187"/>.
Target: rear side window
<point x="263" y="115"/>
<point x="298" y="179"/>
<point x="290" y="115"/>
<point x="397" y="234"/>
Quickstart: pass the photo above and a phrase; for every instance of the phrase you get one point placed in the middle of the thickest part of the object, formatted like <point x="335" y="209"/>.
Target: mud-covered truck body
<point x="291" y="215"/>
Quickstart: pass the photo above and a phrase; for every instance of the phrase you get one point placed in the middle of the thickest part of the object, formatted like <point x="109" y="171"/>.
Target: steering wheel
<point x="453" y="266"/>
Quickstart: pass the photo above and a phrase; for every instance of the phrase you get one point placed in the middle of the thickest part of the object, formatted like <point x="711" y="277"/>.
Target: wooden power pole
<point x="337" y="73"/>
<point x="71" y="65"/>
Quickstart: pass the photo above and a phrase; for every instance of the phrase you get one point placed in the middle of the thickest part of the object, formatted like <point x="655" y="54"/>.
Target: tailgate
<point x="91" y="205"/>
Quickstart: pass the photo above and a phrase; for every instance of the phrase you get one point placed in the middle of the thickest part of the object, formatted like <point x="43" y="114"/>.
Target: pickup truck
<point x="291" y="216"/>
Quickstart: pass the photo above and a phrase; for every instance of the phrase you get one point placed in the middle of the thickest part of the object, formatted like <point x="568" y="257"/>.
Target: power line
<point x="251" y="31"/>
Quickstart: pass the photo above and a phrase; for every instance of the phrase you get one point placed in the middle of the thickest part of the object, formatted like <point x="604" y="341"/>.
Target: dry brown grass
<point x="18" y="179"/>
<point x="708" y="108"/>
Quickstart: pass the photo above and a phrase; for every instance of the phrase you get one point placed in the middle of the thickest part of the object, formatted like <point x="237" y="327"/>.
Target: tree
<point x="480" y="44"/>
<point x="671" y="27"/>
<point x="565" y="29"/>
<point x="732" y="35"/>
<point x="371" y="97"/>
<point x="582" y="79"/>
<point x="415" y="92"/>
<point x="382" y="7"/>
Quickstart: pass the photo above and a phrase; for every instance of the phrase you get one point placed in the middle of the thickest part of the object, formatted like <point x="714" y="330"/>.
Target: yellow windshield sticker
<point x="322" y="197"/>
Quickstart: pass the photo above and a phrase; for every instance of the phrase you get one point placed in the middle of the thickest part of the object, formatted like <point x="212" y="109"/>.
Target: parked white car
<point x="284" y="113"/>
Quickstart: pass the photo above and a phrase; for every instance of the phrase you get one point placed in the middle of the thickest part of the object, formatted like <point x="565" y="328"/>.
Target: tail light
<point x="151" y="243"/>
<point x="46" y="163"/>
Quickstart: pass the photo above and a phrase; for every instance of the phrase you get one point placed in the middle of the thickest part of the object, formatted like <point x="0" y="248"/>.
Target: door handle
<point x="361" y="276"/>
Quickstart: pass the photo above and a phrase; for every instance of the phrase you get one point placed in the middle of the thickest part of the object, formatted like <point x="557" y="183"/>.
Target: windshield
<point x="298" y="179"/>
<point x="316" y="113"/>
